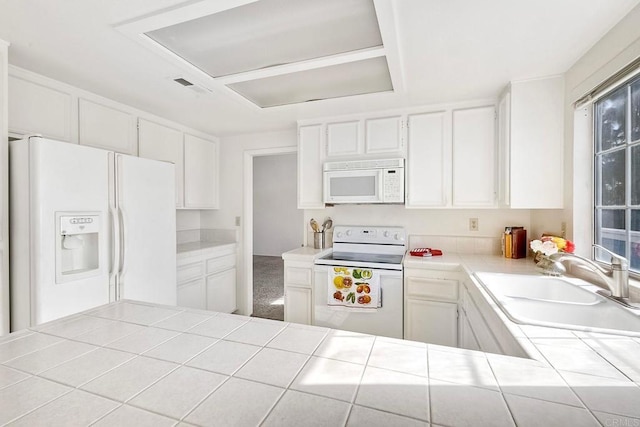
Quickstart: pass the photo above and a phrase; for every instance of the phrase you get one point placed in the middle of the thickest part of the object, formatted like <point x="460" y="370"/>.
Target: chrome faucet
<point x="615" y="278"/>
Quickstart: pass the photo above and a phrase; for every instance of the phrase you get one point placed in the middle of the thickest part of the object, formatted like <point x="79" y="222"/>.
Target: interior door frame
<point x="246" y="296"/>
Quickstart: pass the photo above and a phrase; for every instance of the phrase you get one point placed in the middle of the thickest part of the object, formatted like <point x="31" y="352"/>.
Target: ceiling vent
<point x="183" y="82"/>
<point x="274" y="52"/>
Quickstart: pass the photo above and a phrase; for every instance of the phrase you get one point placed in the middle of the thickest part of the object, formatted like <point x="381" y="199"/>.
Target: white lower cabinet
<point x="431" y="322"/>
<point x="221" y="291"/>
<point x="191" y="294"/>
<point x="431" y="306"/>
<point x="207" y="280"/>
<point x="298" y="303"/>
<point x="478" y="326"/>
<point x="466" y="338"/>
<point x="298" y="291"/>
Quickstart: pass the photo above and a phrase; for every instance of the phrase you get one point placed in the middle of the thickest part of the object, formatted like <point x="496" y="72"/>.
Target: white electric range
<point x="358" y="287"/>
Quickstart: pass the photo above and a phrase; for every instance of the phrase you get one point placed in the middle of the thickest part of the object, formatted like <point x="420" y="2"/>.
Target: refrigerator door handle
<point x="115" y="246"/>
<point x="115" y="229"/>
<point x="121" y="239"/>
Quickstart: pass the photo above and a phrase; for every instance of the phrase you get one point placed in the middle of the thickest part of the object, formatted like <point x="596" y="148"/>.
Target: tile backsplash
<point x="461" y="245"/>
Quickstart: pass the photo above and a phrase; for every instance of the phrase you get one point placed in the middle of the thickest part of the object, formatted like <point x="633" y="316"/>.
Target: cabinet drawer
<point x="222" y="263"/>
<point x="439" y="289"/>
<point x="297" y="276"/>
<point x="189" y="272"/>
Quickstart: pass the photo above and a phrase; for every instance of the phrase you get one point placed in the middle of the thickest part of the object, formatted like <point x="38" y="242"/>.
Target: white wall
<point x="232" y="153"/>
<point x="187" y="219"/>
<point x="275" y="213"/>
<point x="611" y="53"/>
<point x="436" y="222"/>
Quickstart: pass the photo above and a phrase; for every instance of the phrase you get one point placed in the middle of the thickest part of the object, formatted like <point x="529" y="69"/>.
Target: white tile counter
<point x="305" y="254"/>
<point x="201" y="248"/>
<point x="136" y="364"/>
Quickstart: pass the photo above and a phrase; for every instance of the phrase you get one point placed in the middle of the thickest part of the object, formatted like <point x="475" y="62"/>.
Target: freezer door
<point x="147" y="230"/>
<point x="50" y="179"/>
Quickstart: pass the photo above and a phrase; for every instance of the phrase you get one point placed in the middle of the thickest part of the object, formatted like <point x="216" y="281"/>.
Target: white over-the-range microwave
<point x="364" y="181"/>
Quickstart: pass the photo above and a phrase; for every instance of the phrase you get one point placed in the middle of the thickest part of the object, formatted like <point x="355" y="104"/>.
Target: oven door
<point x="353" y="186"/>
<point x="385" y="320"/>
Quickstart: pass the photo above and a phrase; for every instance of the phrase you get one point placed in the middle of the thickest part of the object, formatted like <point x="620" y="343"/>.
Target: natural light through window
<point x="617" y="173"/>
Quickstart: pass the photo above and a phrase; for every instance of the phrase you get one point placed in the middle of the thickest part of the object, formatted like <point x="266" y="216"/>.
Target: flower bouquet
<point x="549" y="245"/>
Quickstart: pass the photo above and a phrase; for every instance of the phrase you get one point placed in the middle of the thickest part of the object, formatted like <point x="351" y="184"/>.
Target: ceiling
<point x="438" y="51"/>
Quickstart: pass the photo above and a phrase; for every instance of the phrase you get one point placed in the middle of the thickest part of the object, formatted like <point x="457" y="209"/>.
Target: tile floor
<point x="136" y="364"/>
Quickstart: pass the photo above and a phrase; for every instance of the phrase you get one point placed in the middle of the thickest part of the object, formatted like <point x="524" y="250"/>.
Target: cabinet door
<point x="431" y="322"/>
<point x="221" y="291"/>
<point x="343" y="139"/>
<point x="426" y="160"/>
<point x="310" y="167"/>
<point x="159" y="142"/>
<point x="37" y="109"/>
<point x="298" y="305"/>
<point x="105" y="127"/>
<point x="200" y="173"/>
<point x="537" y="138"/>
<point x="474" y="157"/>
<point x="504" y="145"/>
<point x="486" y="341"/>
<point x="192" y="294"/>
<point x="465" y="336"/>
<point x="383" y="135"/>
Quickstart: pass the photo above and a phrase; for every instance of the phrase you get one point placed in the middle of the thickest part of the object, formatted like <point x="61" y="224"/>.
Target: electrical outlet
<point x="473" y="224"/>
<point x="563" y="229"/>
<point x="237" y="221"/>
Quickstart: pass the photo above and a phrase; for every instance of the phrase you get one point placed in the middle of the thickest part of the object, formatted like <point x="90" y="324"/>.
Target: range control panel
<point x="366" y="234"/>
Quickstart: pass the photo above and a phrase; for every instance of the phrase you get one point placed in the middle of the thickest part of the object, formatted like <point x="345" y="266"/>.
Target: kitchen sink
<point x="558" y="302"/>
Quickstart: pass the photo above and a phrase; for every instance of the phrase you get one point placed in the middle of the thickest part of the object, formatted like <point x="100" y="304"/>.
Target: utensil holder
<point x="318" y="240"/>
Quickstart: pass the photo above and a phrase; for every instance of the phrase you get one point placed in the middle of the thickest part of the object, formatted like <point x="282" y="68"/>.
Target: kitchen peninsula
<point x="161" y="365"/>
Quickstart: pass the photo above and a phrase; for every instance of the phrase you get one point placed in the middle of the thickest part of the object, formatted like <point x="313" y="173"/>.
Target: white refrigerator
<point x="87" y="227"/>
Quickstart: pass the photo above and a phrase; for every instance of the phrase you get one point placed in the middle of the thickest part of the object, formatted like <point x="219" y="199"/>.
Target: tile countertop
<point x="141" y="364"/>
<point x="200" y="248"/>
<point x="305" y="254"/>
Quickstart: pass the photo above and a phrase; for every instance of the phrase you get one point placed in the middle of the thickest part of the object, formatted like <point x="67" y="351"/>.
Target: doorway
<point x="272" y="226"/>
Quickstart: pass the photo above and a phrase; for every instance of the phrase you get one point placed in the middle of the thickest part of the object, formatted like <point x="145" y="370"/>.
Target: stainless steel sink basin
<point x="558" y="302"/>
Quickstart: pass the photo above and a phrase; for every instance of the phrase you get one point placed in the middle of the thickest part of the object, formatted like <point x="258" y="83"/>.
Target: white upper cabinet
<point x="474" y="157"/>
<point x="343" y="139"/>
<point x="200" y="173"/>
<point x="363" y="137"/>
<point x="107" y="128"/>
<point x="160" y="142"/>
<point x="531" y="140"/>
<point x="37" y="109"/>
<point x="383" y="135"/>
<point x="427" y="160"/>
<point x="39" y="105"/>
<point x="451" y="158"/>
<point x="310" y="158"/>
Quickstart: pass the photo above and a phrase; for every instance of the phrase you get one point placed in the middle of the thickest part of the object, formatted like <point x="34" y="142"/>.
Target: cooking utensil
<point x="327" y="224"/>
<point x="314" y="225"/>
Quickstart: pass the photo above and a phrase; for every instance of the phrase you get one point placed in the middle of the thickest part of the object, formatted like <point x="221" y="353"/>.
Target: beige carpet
<point x="268" y="287"/>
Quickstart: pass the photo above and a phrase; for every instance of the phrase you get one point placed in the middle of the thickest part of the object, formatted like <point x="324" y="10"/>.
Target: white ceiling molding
<point x="151" y="29"/>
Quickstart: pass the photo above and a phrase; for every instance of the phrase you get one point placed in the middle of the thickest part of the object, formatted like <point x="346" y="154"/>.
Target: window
<point x="617" y="173"/>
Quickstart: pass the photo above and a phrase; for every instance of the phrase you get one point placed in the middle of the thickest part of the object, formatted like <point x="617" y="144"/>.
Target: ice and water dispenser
<point x="77" y="246"/>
